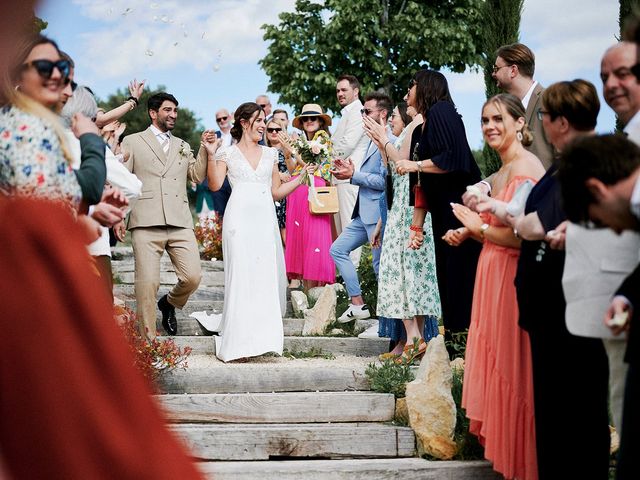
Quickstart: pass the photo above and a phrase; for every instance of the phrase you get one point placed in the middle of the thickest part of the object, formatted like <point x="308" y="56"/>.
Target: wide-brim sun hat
<point x="311" y="110"/>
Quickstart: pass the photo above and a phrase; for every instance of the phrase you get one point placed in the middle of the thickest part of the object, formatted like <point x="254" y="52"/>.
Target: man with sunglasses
<point x="349" y="141"/>
<point x="265" y="103"/>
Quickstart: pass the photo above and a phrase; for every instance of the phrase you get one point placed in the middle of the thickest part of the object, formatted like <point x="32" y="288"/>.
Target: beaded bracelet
<point x="416" y="228"/>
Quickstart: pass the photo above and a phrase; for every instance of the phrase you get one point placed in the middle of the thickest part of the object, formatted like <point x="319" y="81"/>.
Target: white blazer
<point x="596" y="263"/>
<point x="349" y="138"/>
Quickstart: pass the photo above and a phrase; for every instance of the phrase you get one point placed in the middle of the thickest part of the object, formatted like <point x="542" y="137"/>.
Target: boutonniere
<point x="185" y="150"/>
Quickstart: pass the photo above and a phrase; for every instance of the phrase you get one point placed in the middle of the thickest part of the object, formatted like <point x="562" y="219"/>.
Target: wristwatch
<point x="419" y="164"/>
<point x="483" y="228"/>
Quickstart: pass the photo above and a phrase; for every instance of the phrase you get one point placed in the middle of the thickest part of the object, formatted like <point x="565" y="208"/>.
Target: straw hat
<point x="311" y="110"/>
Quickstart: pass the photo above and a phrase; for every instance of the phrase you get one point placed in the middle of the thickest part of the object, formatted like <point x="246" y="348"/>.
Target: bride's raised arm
<point x="216" y="168"/>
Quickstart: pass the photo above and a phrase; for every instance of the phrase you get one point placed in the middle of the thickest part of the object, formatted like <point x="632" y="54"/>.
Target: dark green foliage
<point x="187" y="126"/>
<point x="39" y="24"/>
<point x="368" y="281"/>
<point x="312" y="353"/>
<point x="458" y="343"/>
<point x="501" y="19"/>
<point x="382" y="43"/>
<point x="389" y="377"/>
<point x="468" y="446"/>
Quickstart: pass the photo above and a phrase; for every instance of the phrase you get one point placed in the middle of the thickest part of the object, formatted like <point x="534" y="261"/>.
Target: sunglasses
<point x="496" y="68"/>
<point x="263" y="105"/>
<point x="540" y="113"/>
<point x="221" y="119"/>
<point x="308" y="119"/>
<point x="368" y="111"/>
<point x="45" y="67"/>
<point x="271" y="130"/>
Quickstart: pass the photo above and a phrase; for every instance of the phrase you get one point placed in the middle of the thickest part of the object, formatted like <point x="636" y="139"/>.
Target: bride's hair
<point x="243" y="112"/>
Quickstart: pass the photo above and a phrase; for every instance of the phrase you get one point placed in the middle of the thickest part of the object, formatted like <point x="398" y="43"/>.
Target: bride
<point x="254" y="271"/>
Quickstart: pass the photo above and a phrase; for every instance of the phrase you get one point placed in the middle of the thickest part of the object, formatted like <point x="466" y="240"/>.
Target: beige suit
<point x="161" y="220"/>
<point x="540" y="147"/>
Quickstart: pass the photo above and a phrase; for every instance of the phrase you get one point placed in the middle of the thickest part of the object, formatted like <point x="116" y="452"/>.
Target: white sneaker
<point x="354" y="312"/>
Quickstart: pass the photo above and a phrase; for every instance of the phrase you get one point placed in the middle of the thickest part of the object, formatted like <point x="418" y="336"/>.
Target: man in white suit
<point x="349" y="141"/>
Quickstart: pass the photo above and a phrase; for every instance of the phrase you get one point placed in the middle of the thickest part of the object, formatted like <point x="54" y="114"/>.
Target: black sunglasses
<point x="263" y="105"/>
<point x="368" y="111"/>
<point x="271" y="130"/>
<point x="308" y="119"/>
<point x="221" y="119"/>
<point x="74" y="85"/>
<point x="45" y="67"/>
<point x="636" y="71"/>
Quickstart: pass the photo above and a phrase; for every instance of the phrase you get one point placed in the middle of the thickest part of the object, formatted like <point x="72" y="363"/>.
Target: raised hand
<point x="286" y="142"/>
<point x="375" y="130"/>
<point x="210" y="142"/>
<point x="136" y="88"/>
<point x="471" y="197"/>
<point x="81" y="124"/>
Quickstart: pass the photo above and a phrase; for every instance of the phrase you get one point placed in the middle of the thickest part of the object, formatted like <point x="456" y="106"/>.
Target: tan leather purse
<point x="328" y="196"/>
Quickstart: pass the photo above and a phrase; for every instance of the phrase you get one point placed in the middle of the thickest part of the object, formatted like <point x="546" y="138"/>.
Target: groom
<point x="161" y="219"/>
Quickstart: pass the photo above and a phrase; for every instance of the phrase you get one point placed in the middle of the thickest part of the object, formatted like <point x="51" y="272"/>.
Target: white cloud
<point x="170" y="34"/>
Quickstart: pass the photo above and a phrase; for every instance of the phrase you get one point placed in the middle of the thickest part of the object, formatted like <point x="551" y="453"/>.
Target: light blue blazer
<point x="371" y="180"/>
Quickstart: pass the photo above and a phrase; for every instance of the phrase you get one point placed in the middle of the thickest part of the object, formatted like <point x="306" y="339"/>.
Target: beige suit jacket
<point x="163" y="201"/>
<point x="540" y="147"/>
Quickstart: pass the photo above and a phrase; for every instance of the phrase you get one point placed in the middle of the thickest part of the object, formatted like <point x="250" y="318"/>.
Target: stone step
<point x="128" y="265"/>
<point x="207" y="374"/>
<point x="303" y="440"/>
<point x="359" y="347"/>
<point x="293" y="407"/>
<point x="209" y="278"/>
<point x="368" y="469"/>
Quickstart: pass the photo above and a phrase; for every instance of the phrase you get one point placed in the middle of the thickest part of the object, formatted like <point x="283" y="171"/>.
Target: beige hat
<point x="311" y="110"/>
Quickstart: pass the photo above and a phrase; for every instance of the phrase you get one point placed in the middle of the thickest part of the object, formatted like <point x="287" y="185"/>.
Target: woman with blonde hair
<point x="498" y="386"/>
<point x="34" y="159"/>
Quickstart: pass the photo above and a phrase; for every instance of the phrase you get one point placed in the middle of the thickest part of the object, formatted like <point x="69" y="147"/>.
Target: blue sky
<point x="206" y="51"/>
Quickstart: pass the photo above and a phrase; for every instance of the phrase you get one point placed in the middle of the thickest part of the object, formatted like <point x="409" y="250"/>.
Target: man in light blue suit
<point x="366" y="213"/>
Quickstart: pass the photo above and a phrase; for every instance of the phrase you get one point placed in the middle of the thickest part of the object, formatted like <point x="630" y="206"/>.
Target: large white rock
<point x="322" y="314"/>
<point x="299" y="301"/>
<point x="432" y="411"/>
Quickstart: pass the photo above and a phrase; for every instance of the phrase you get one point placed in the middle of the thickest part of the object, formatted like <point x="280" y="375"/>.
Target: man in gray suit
<point x="161" y="219"/>
<point x="513" y="72"/>
<point x="370" y="177"/>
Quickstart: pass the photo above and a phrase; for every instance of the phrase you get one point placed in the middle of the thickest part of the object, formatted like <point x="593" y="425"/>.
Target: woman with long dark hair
<point x="252" y="317"/>
<point x="442" y="165"/>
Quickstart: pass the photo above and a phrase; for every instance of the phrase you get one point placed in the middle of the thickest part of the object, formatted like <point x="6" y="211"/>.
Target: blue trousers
<point x="352" y="237"/>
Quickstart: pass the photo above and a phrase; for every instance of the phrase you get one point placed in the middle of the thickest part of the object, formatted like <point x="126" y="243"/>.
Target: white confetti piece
<point x="156" y="18"/>
<point x="277" y="204"/>
<point x="317" y="250"/>
<point x="203" y="35"/>
<point x="148" y="53"/>
<point x="297" y="224"/>
<point x="165" y="19"/>
<point x="127" y="11"/>
<point x="216" y="68"/>
<point x="185" y="34"/>
<point x="175" y="44"/>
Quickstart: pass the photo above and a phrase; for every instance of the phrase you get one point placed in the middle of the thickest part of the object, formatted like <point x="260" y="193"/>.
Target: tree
<point x="188" y="126"/>
<point x="627" y="7"/>
<point x="501" y="27"/>
<point x="382" y="42"/>
<point x="39" y="24"/>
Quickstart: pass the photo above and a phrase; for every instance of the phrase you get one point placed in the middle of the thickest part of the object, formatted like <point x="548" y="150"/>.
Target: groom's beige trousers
<point x="149" y="243"/>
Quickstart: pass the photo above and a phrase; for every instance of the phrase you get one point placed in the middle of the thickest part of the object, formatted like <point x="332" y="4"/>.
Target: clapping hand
<point x="114" y="196"/>
<point x="210" y="142"/>
<point x="375" y="130"/>
<point x="455" y="237"/>
<point x="473" y="194"/>
<point x="286" y="142"/>
<point x="343" y="169"/>
<point x="618" y="315"/>
<point x="468" y="218"/>
<point x="406" y="166"/>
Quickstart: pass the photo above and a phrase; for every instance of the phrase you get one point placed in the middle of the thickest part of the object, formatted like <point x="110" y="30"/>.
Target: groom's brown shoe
<point x="169" y="321"/>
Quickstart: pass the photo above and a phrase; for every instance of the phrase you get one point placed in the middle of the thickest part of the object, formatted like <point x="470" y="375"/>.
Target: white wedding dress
<point x="254" y="270"/>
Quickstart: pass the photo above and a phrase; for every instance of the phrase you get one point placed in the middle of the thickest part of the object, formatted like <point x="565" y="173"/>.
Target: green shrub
<point x="389" y="377"/>
<point x="468" y="446"/>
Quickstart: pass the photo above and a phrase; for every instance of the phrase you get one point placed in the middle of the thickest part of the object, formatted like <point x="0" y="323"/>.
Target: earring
<point x="519" y="136"/>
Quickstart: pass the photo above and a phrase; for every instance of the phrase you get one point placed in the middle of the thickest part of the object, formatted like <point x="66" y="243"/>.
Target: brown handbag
<point x="328" y="196"/>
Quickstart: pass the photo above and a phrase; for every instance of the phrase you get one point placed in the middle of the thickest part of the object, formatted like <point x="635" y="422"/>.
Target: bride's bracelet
<point x="416" y="228"/>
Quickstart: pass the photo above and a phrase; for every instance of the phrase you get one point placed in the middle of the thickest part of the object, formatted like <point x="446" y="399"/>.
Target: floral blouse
<point x="31" y="159"/>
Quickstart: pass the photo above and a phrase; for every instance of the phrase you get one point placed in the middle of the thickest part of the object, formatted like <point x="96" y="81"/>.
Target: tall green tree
<point x="382" y="42"/>
<point x="627" y="7"/>
<point x="501" y="20"/>
<point x="188" y="126"/>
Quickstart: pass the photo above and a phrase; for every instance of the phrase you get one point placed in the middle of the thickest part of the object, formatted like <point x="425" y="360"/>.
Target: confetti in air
<point x="216" y="68"/>
<point x="149" y="53"/>
<point x="165" y="19"/>
<point x="127" y="12"/>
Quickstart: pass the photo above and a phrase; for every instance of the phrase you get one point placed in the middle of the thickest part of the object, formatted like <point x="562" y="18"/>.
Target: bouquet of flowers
<point x="208" y="233"/>
<point x="316" y="151"/>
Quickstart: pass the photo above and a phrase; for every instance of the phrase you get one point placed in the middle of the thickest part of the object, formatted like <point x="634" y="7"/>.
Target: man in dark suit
<point x="513" y="72"/>
<point x="600" y="180"/>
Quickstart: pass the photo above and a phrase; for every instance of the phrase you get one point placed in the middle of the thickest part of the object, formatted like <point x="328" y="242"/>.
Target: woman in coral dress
<point x="498" y="387"/>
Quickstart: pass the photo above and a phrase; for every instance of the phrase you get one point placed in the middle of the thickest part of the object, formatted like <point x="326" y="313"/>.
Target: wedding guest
<point x="308" y="236"/>
<point x="407" y="285"/>
<point x="442" y="165"/>
<point x="33" y="150"/>
<point x="273" y="129"/>
<point x="498" y="388"/>
<point x="569" y="110"/>
<point x="252" y="251"/>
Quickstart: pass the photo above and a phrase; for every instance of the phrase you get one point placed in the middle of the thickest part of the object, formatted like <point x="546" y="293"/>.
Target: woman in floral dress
<point x="407" y="286"/>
